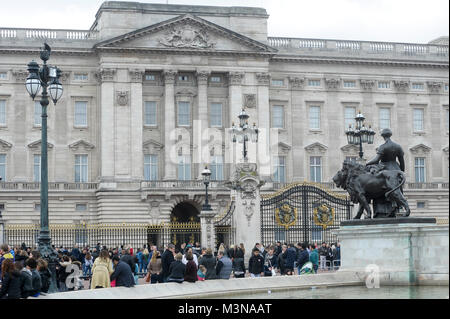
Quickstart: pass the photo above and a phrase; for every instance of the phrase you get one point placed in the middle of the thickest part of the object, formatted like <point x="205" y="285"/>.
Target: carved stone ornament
<point x="296" y="82"/>
<point x="236" y="78"/>
<point x="187" y="36"/>
<point x="332" y="83"/>
<point x="367" y="84"/>
<point x="249" y="210"/>
<point x="4" y="145"/>
<point x="401" y="85"/>
<point x="249" y="100"/>
<point x="136" y="75"/>
<point x="20" y="75"/>
<point x="122" y="98"/>
<point x="81" y="143"/>
<point x="434" y="86"/>
<point x="169" y="76"/>
<point x="263" y="78"/>
<point x="105" y="75"/>
<point x="65" y="76"/>
<point x="202" y="77"/>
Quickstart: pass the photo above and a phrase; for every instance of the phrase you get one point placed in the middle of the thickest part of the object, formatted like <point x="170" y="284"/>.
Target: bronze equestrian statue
<point x="380" y="181"/>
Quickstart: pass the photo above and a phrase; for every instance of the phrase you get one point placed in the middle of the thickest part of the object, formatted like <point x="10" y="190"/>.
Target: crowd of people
<point x="25" y="274"/>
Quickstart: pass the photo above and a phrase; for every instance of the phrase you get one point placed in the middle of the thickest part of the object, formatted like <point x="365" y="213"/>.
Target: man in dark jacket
<point x="224" y="266"/>
<point x="128" y="259"/>
<point x="209" y="261"/>
<point x="177" y="270"/>
<point x="291" y="256"/>
<point x="75" y="253"/>
<point x="238" y="263"/>
<point x="303" y="257"/>
<point x="122" y="273"/>
<point x="166" y="259"/>
<point x="256" y="264"/>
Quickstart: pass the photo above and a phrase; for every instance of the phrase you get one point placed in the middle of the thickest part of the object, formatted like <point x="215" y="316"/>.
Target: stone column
<point x="137" y="165"/>
<point x="235" y="107"/>
<point x="2" y="230"/>
<point x="263" y="108"/>
<point x="247" y="213"/>
<point x="106" y="76"/>
<point x="170" y="171"/>
<point x="207" y="229"/>
<point x="200" y="139"/>
<point x="298" y="122"/>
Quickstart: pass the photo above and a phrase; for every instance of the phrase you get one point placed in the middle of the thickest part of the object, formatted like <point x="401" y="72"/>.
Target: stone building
<point x="150" y="91"/>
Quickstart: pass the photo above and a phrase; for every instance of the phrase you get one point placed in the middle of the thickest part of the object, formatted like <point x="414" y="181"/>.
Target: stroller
<point x="307" y="269"/>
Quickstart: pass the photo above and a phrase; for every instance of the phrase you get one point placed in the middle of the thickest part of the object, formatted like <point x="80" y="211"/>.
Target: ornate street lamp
<point x="206" y="173"/>
<point x="45" y="77"/>
<point x="244" y="133"/>
<point x="360" y="134"/>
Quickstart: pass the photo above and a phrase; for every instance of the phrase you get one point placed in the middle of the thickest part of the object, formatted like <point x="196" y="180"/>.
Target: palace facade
<point x="150" y="91"/>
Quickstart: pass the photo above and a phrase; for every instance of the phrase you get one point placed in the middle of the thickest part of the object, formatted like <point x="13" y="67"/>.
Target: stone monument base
<point x="397" y="251"/>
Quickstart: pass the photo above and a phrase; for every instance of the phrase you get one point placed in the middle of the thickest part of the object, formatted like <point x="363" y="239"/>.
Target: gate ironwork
<point x="180" y="233"/>
<point x="224" y="228"/>
<point x="302" y="212"/>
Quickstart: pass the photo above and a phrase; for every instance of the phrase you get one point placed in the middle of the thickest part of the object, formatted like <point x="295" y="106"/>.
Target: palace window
<point x="419" y="169"/>
<point x="385" y="118"/>
<point x="81" y="207"/>
<point x="315" y="164"/>
<point x="418" y="86"/>
<point x="2" y="75"/>
<point x="80" y="113"/>
<point x="80" y="76"/>
<point x="150" y="77"/>
<point x="384" y="84"/>
<point x="3" y="167"/>
<point x="81" y="168"/>
<point x="216" y="115"/>
<point x="313" y="82"/>
<point x="277" y="82"/>
<point x="418" y="120"/>
<point x="37" y="168"/>
<point x="2" y="112"/>
<point x="314" y="117"/>
<point x="183" y="78"/>
<point x="279" y="169"/>
<point x="217" y="168"/>
<point x="215" y="79"/>
<point x="150" y="167"/>
<point x="184" y="167"/>
<point x="37" y="113"/>
<point x="150" y="113"/>
<point x="349" y="116"/>
<point x="349" y="84"/>
<point x="278" y="116"/>
<point x="184" y="114"/>
<point x="420" y="204"/>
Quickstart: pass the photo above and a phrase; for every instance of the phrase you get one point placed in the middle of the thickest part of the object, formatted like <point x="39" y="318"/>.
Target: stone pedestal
<point x="247" y="214"/>
<point x="396" y="251"/>
<point x="207" y="229"/>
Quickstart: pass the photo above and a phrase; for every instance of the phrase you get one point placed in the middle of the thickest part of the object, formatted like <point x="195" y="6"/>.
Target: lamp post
<point x="360" y="134"/>
<point x="243" y="133"/>
<point x="46" y="77"/>
<point x="206" y="173"/>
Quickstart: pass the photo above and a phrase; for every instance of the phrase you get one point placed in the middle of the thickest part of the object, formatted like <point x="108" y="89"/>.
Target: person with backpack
<point x="44" y="272"/>
<point x="10" y="281"/>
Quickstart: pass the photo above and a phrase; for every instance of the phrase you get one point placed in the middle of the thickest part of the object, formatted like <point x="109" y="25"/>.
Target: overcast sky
<point x="417" y="21"/>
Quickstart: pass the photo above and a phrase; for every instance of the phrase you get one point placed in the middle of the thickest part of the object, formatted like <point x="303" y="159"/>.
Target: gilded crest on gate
<point x="286" y="215"/>
<point x="323" y="216"/>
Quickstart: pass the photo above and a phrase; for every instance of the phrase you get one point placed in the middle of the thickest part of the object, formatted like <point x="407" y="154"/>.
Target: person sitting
<point x="122" y="273"/>
<point x="191" y="268"/>
<point x="201" y="273"/>
<point x="177" y="270"/>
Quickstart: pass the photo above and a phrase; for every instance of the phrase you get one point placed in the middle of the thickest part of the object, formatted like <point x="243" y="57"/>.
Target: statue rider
<point x="388" y="152"/>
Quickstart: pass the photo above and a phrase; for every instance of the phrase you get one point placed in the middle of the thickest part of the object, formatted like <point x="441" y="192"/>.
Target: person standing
<point x="338" y="256"/>
<point x="187" y="250"/>
<point x="5" y="254"/>
<point x="122" y="273"/>
<point x="238" y="263"/>
<point x="303" y="257"/>
<point x="10" y="281"/>
<point x="63" y="273"/>
<point x="101" y="271"/>
<point x="224" y="266"/>
<point x="145" y="259"/>
<point x="291" y="256"/>
<point x="256" y="264"/>
<point x="270" y="262"/>
<point x="191" y="268"/>
<point x="166" y="260"/>
<point x="314" y="259"/>
<point x="155" y="267"/>
<point x="88" y="263"/>
<point x="209" y="261"/>
<point x="129" y="259"/>
<point x="42" y="267"/>
<point x="177" y="270"/>
<point x="323" y="253"/>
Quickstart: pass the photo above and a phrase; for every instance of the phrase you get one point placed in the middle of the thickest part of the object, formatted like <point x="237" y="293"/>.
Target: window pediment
<point x="316" y="148"/>
<point x="350" y="149"/>
<point x="150" y="145"/>
<point x="81" y="144"/>
<point x="37" y="145"/>
<point x="4" y="145"/>
<point x="420" y="149"/>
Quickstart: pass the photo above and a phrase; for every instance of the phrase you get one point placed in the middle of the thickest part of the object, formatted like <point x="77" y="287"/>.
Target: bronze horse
<point x="365" y="184"/>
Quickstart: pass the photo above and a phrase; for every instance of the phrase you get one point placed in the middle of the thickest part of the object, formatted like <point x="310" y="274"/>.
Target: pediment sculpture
<point x="187" y="36"/>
